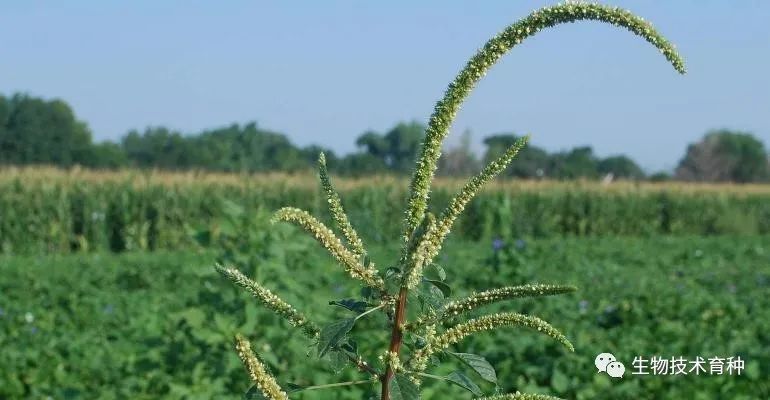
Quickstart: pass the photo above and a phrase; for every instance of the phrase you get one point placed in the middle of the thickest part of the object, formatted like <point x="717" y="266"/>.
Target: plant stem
<point x="395" y="340"/>
<point x="371" y="310"/>
<point x="329" y="385"/>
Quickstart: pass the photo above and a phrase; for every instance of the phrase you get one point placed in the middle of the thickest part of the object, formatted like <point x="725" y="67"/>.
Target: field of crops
<point x="108" y="288"/>
<point x="160" y="325"/>
<point x="50" y="211"/>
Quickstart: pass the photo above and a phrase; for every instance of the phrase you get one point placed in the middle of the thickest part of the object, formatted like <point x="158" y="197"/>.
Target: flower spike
<point x="262" y="379"/>
<point x="446" y="108"/>
<point x="489" y="322"/>
<point x="336" y="209"/>
<point x="352" y="263"/>
<point x="519" y="396"/>
<point x="271" y="301"/>
<point x="432" y="241"/>
<point x="474" y="301"/>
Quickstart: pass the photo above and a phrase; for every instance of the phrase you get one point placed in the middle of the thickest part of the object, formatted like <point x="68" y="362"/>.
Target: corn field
<point x="50" y="210"/>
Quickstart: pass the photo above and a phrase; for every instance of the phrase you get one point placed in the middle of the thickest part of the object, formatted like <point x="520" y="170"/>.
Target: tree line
<point x="38" y="131"/>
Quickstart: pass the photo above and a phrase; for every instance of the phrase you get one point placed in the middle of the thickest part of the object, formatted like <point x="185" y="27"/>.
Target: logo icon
<point x="606" y="362"/>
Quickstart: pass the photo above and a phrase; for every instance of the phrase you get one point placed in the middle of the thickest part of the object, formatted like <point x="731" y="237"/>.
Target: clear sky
<point x="325" y="71"/>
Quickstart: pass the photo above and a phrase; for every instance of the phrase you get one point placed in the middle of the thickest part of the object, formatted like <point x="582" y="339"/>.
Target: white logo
<point x="607" y="363"/>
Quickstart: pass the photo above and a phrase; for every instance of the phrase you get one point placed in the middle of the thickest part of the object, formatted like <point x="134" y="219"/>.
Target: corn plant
<point x="442" y="323"/>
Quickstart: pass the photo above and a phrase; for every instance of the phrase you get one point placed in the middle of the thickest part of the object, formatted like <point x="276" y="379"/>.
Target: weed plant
<point x="424" y="321"/>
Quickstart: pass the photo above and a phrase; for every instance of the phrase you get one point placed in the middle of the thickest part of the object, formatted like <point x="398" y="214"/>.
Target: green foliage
<point x="620" y="167"/>
<point x="423" y="236"/>
<point x="160" y="325"/>
<point x="402" y="388"/>
<point x="725" y="156"/>
<point x="394" y="150"/>
<point x="36" y="131"/>
<point x="56" y="213"/>
<point x="579" y="162"/>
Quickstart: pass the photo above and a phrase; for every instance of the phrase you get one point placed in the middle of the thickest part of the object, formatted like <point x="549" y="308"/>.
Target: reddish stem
<point x="395" y="341"/>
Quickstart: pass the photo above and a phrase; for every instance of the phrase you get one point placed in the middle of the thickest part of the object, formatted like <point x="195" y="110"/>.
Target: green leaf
<point x="462" y="380"/>
<point x="254" y="394"/>
<point x="445" y="289"/>
<point x="435" y="272"/>
<point x="430" y="295"/>
<point x="354" y="305"/>
<point x="332" y="334"/>
<point x="401" y="388"/>
<point x="479" y="364"/>
<point x="337" y="360"/>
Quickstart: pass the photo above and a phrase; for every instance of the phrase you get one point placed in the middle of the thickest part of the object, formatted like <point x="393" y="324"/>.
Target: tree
<point x="579" y="162"/>
<point x="158" y="147"/>
<point x="725" y="155"/>
<point x="620" y="167"/>
<point x="36" y="131"/>
<point x="105" y="155"/>
<point x="395" y="150"/>
<point x="403" y="143"/>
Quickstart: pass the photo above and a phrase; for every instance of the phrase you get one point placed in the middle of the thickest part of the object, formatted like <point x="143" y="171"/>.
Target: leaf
<point x="332" y="334"/>
<point x="445" y="289"/>
<point x="479" y="364"/>
<point x="350" y="346"/>
<point x="354" y="305"/>
<point x="462" y="380"/>
<point x="254" y="394"/>
<point x="430" y="296"/>
<point x="435" y="272"/>
<point x="337" y="360"/>
<point x="402" y="388"/>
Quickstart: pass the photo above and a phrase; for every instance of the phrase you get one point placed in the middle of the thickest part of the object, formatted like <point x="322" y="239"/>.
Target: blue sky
<point x="324" y="72"/>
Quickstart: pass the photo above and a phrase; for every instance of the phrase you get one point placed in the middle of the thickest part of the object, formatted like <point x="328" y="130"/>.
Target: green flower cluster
<point x="335" y="207"/>
<point x="257" y="371"/>
<point x="353" y="263"/>
<point x="446" y="109"/>
<point x="493" y="321"/>
<point x="270" y="300"/>
<point x="476" y="300"/>
<point x="519" y="396"/>
<point x="461" y="331"/>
